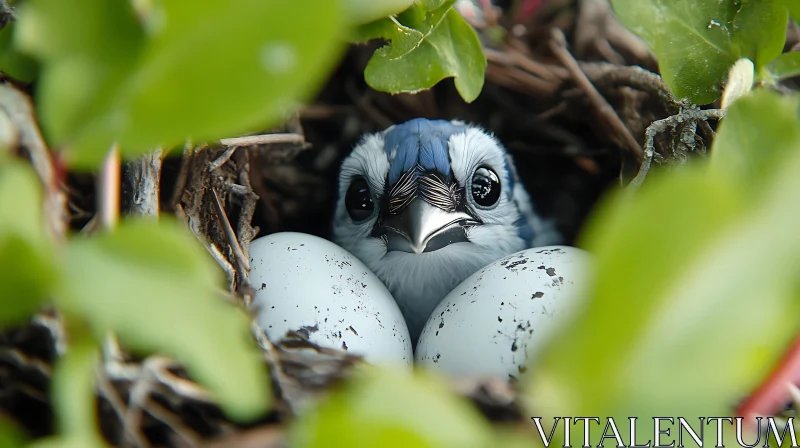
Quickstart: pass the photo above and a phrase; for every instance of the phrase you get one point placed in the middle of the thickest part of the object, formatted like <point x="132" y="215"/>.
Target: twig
<point x="25" y="362"/>
<point x="224" y="264"/>
<point x="165" y="416"/>
<point x="558" y="44"/>
<point x="113" y="363"/>
<point x="245" y="231"/>
<point x="159" y="370"/>
<point x="513" y="77"/>
<point x="53" y="321"/>
<point x="144" y="176"/>
<point x="107" y="391"/>
<point x="488" y="12"/>
<point x="603" y="73"/>
<point x="659" y="126"/>
<point x="542" y="78"/>
<point x="224" y="157"/>
<point x="261" y="437"/>
<point x="210" y="247"/>
<point x="263" y="139"/>
<point x="183" y="174"/>
<point x="19" y="111"/>
<point x="244" y="263"/>
<point x="108" y="185"/>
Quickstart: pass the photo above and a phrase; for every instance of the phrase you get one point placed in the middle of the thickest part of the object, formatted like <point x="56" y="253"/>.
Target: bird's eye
<point x="485" y="187"/>
<point x="358" y="200"/>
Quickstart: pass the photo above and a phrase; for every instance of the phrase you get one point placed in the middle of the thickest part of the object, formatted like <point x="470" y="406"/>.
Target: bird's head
<point x="425" y="204"/>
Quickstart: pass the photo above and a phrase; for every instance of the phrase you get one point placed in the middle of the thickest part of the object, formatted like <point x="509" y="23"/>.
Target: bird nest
<point x="571" y="110"/>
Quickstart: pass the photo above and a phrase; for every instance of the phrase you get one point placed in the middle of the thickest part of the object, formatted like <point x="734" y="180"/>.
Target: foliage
<point x="154" y="286"/>
<point x="697" y="41"/>
<point x="392" y="409"/>
<point x="794" y="10"/>
<point x="149" y="282"/>
<point x="26" y="259"/>
<point x="683" y="295"/>
<point x="784" y="66"/>
<point x="12" y="62"/>
<point x="163" y="77"/>
<point x="154" y="76"/>
<point x="700" y="259"/>
<point x="74" y="398"/>
<point x="428" y="42"/>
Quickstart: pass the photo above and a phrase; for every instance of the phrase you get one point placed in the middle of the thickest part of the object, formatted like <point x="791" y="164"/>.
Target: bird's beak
<point x="421" y="227"/>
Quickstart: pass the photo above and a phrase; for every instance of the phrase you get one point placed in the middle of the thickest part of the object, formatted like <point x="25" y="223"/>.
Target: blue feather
<point x="420" y="141"/>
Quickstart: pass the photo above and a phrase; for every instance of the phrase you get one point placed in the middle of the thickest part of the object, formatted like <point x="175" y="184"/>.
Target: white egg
<point x="502" y="316"/>
<point x="312" y="286"/>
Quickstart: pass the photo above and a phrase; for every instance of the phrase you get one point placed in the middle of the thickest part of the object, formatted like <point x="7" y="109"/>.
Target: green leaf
<point x="27" y="270"/>
<point x="86" y="48"/>
<point x="784" y="66"/>
<point x="74" y="398"/>
<point x="695" y="295"/>
<point x="697" y="42"/>
<point x="154" y="286"/>
<point x="10" y="435"/>
<point x="202" y="70"/>
<point x="759" y="30"/>
<point x="12" y="62"/>
<point x="794" y="9"/>
<point x="364" y="11"/>
<point x="427" y="45"/>
<point x="392" y="409"/>
<point x="73" y="387"/>
<point x="755" y="136"/>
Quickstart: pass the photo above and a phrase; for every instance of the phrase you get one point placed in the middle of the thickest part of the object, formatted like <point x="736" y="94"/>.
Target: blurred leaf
<point x="392" y="409"/>
<point x="363" y="11"/>
<point x="755" y="136"/>
<point x="73" y="389"/>
<point x="703" y="280"/>
<point x="87" y="47"/>
<point x="203" y="70"/>
<point x="154" y="285"/>
<point x="697" y="42"/>
<point x="759" y="30"/>
<point x="794" y="9"/>
<point x="73" y="397"/>
<point x="784" y="66"/>
<point x="430" y="5"/>
<point x="12" y="62"/>
<point x="27" y="270"/>
<point x="10" y="435"/>
<point x="426" y="46"/>
<point x="68" y="442"/>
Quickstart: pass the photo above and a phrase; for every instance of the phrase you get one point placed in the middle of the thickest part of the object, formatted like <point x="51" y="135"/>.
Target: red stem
<point x="773" y="394"/>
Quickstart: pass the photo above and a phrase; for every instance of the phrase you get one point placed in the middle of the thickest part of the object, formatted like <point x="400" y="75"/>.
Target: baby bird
<point x="427" y="203"/>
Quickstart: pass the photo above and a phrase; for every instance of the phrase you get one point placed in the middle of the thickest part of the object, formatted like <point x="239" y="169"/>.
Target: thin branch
<point x="605" y="74"/>
<point x="144" y="175"/>
<point x="107" y="391"/>
<point x="558" y="44"/>
<point x="165" y="416"/>
<point x="244" y="263"/>
<point x="108" y="186"/>
<point x="659" y="126"/>
<point x="210" y="247"/>
<point x="224" y="157"/>
<point x="19" y="111"/>
<point x="263" y="139"/>
<point x="183" y="174"/>
<point x="54" y="322"/>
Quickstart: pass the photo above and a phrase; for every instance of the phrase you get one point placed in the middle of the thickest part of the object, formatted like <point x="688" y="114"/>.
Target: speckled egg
<point x="502" y="316"/>
<point x="311" y="286"/>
